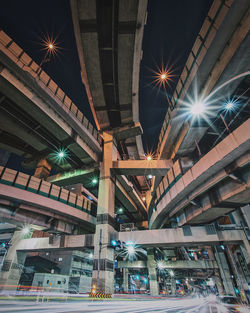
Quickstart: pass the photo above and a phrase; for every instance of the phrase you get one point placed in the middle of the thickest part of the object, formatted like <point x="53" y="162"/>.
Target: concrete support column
<point x="125" y="279"/>
<point x="173" y="286"/>
<point x="210" y="253"/>
<point x="13" y="263"/>
<point x="151" y="264"/>
<point x="239" y="277"/>
<point x="224" y="271"/>
<point x="43" y="169"/>
<point x="103" y="274"/>
<point x="218" y="282"/>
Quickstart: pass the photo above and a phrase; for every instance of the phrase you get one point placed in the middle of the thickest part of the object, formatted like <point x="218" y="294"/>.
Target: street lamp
<point x="26" y="230"/>
<point x="171" y="273"/>
<point x="160" y="265"/>
<point x="198" y="108"/>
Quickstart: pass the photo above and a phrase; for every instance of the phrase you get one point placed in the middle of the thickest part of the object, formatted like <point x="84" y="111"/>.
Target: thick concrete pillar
<point x="173" y="286"/>
<point x="224" y="271"/>
<point x="238" y="274"/>
<point x="125" y="279"/>
<point x="151" y="264"/>
<point x="43" y="169"/>
<point x="13" y="264"/>
<point x="210" y="253"/>
<point x="103" y="274"/>
<point x="218" y="282"/>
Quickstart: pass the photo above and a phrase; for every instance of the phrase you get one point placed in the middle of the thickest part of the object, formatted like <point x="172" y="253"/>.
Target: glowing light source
<point x="160" y="265"/>
<point x="171" y="273"/>
<point x="50" y="46"/>
<point x="143" y="198"/>
<point x="120" y="211"/>
<point x="61" y="154"/>
<point x="137" y="277"/>
<point x="94" y="181"/>
<point x="91" y="255"/>
<point x="229" y="105"/>
<point x="198" y="108"/>
<point x="131" y="250"/>
<point x="149" y="157"/>
<point x="163" y="76"/>
<point x="150" y="176"/>
<point x="25" y="230"/>
<point x="113" y="243"/>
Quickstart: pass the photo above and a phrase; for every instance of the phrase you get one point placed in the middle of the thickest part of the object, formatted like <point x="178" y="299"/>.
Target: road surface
<point x="181" y="305"/>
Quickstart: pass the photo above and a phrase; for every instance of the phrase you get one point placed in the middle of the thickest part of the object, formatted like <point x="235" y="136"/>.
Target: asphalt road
<point x="182" y="305"/>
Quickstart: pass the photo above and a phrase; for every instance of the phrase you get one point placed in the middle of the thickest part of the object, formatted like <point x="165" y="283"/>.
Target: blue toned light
<point x="137" y="277"/>
<point x="113" y="243"/>
<point x="229" y="105"/>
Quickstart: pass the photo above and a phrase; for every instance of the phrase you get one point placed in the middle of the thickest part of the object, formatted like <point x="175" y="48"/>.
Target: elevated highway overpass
<point x="219" y="53"/>
<point x="26" y="199"/>
<point x="37" y="117"/>
<point x="199" y="235"/>
<point x="217" y="184"/>
<point x="109" y="42"/>
<point x="180" y="264"/>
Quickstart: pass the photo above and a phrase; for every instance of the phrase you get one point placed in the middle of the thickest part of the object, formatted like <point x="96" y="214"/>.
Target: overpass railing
<point x="24" y="61"/>
<point x="41" y="187"/>
<point x="204" y="39"/>
<point x="213" y="157"/>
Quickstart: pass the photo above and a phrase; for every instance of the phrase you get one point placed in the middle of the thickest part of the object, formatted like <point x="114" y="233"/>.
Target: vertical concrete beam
<point x="224" y="271"/>
<point x="103" y="275"/>
<point x="218" y="282"/>
<point x="13" y="264"/>
<point x="125" y="279"/>
<point x="151" y="264"/>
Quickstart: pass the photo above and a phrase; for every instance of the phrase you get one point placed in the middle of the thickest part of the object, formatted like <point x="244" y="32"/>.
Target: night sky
<point x="171" y="29"/>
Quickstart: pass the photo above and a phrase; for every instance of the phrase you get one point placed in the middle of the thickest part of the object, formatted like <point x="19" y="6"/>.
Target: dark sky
<point x="172" y="27"/>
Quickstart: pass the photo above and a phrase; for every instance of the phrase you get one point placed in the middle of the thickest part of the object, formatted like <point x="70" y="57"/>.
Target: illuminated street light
<point x="150" y="176"/>
<point x="120" y="211"/>
<point x="171" y="273"/>
<point x="163" y="76"/>
<point x="61" y="154"/>
<point x="94" y="181"/>
<point x="229" y="105"/>
<point x="26" y="230"/>
<point x="197" y="108"/>
<point x="50" y="46"/>
<point x="160" y="265"/>
<point x="131" y="250"/>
